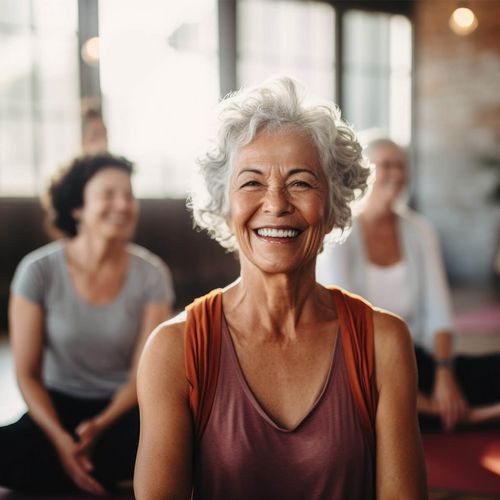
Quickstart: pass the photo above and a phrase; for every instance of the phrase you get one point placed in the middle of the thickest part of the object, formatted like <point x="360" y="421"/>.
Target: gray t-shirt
<point x="88" y="349"/>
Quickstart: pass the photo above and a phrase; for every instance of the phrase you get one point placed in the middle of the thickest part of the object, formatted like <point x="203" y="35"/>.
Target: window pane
<point x="159" y="78"/>
<point x="377" y="73"/>
<point x="17" y="178"/>
<point x="366" y="99"/>
<point x="57" y="109"/>
<point x="39" y="92"/>
<point x="16" y="54"/>
<point x="15" y="13"/>
<point x="400" y="85"/>
<point x="55" y="15"/>
<point x="287" y="37"/>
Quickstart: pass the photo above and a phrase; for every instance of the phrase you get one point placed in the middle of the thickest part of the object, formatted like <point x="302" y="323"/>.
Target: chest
<point x="71" y="322"/>
<point x="286" y="377"/>
<point x="245" y="453"/>
<point x="99" y="287"/>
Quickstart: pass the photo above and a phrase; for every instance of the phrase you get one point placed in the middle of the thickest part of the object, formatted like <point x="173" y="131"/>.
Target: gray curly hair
<point x="280" y="103"/>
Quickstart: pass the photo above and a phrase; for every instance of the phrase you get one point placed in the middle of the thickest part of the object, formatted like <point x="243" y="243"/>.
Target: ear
<point x="76" y="213"/>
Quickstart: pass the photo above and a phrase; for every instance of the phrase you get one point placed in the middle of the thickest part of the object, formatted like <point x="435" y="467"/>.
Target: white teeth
<point x="277" y="233"/>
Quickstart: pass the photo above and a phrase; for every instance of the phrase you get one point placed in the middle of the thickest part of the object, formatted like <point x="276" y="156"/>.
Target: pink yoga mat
<point x="484" y="321"/>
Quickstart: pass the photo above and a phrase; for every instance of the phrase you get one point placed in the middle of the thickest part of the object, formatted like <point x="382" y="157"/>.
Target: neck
<point x="376" y="210"/>
<point x="93" y="253"/>
<point x="276" y="304"/>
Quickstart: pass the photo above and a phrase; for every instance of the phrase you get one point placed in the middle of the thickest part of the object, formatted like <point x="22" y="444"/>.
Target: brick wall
<point x="457" y="111"/>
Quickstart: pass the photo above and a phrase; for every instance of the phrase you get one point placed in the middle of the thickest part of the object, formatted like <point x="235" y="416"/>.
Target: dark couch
<point x="198" y="264"/>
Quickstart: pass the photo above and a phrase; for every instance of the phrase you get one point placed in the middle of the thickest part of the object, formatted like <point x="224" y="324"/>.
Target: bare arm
<point x="447" y="398"/>
<point x="26" y="335"/>
<point x="163" y="466"/>
<point x="26" y="321"/>
<point x="126" y="397"/>
<point x="443" y="350"/>
<point x="400" y="462"/>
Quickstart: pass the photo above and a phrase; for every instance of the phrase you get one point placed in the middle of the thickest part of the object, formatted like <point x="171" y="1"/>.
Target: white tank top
<point x="388" y="288"/>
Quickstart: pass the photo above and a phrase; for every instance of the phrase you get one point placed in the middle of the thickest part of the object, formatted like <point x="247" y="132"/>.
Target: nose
<point x="398" y="171"/>
<point x="123" y="202"/>
<point x="276" y="202"/>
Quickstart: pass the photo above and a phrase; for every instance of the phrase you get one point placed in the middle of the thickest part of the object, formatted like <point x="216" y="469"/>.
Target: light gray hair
<point x="382" y="142"/>
<point x="278" y="104"/>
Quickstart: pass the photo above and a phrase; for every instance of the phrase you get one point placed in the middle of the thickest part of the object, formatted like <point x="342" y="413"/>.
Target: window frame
<point x="228" y="40"/>
<point x="89" y="76"/>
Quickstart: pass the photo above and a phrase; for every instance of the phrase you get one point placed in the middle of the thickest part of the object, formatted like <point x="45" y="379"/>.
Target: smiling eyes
<point x="112" y="194"/>
<point x="295" y="185"/>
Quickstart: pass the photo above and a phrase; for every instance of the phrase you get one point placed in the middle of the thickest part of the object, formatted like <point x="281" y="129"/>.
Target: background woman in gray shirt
<point x="80" y="310"/>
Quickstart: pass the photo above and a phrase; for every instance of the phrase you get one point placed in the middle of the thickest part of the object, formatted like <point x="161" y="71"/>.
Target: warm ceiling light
<point x="463" y="21"/>
<point x="90" y="50"/>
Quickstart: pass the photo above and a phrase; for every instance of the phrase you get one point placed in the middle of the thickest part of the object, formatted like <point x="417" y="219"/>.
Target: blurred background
<point x="158" y="68"/>
<point x="419" y="71"/>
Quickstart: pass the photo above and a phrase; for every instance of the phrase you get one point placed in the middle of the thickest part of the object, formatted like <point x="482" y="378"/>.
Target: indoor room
<point x="127" y="92"/>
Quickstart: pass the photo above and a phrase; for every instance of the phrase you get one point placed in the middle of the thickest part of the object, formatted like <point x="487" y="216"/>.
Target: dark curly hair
<point x="65" y="192"/>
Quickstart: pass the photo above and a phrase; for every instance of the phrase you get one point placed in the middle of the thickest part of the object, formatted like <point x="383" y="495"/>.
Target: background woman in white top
<point x="392" y="258"/>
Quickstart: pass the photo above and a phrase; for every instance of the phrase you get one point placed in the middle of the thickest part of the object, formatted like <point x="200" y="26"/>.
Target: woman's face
<point x="278" y="201"/>
<point x="391" y="174"/>
<point x="109" y="208"/>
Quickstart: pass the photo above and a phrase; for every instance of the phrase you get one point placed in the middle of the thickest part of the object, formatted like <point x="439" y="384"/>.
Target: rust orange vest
<point x="203" y="346"/>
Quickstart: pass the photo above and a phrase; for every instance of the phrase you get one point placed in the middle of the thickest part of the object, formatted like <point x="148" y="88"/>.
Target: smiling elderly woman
<point x="267" y="389"/>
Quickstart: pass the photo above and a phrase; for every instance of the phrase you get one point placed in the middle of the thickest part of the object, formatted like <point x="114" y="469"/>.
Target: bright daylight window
<point x="39" y="101"/>
<point x="298" y="38"/>
<point x="287" y="37"/>
<point x="159" y="73"/>
<point x="159" y="80"/>
<point x="377" y="73"/>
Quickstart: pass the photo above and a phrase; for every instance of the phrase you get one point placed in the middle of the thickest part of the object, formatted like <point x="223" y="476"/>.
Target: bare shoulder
<point x="390" y="330"/>
<point x="164" y="458"/>
<point x="168" y="335"/>
<point x="393" y="344"/>
<point x="163" y="354"/>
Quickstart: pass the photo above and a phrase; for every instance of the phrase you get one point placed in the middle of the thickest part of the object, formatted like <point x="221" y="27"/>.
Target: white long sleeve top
<point x="346" y="266"/>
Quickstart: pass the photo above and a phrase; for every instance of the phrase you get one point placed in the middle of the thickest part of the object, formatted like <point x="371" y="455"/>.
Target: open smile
<point x="278" y="234"/>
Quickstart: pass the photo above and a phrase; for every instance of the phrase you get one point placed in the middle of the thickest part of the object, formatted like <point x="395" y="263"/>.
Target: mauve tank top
<point x="244" y="454"/>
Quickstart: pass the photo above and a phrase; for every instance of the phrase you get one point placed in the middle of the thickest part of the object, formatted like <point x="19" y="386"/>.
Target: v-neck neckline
<point x="228" y="341"/>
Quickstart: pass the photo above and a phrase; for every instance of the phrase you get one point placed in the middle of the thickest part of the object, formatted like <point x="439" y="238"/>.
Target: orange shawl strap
<point x="357" y="333"/>
<point x="203" y="346"/>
